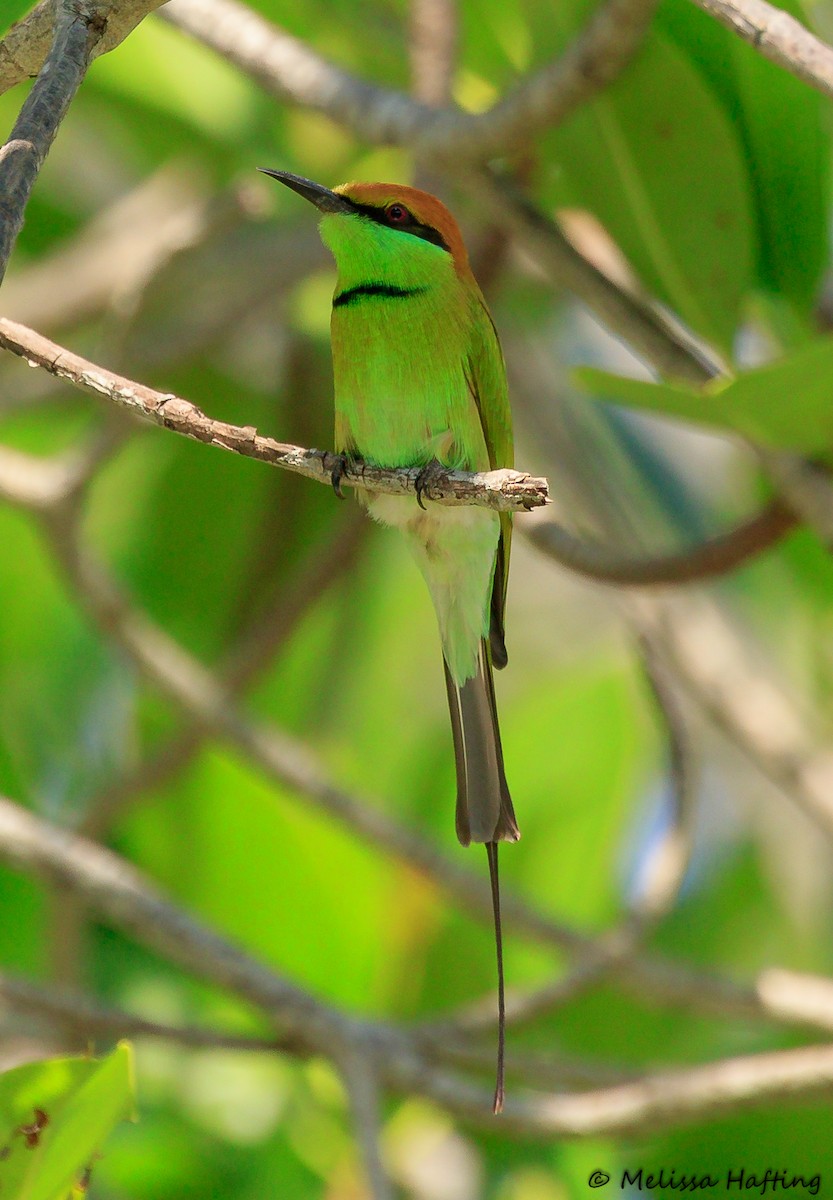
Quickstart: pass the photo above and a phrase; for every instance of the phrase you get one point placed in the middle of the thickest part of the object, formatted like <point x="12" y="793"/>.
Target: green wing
<point x="486" y="378"/>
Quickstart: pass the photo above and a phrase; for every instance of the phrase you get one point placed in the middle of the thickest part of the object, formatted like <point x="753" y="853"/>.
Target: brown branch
<point x="503" y="491"/>
<point x="779" y="37"/>
<point x="79" y="24"/>
<point x="713" y="557"/>
<point x="26" y="45"/>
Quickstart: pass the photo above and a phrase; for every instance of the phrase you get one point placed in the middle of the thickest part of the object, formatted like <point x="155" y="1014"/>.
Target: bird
<point x="420" y="381"/>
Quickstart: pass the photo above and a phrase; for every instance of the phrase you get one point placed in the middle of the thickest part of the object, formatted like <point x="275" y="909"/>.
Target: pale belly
<point x="454" y="548"/>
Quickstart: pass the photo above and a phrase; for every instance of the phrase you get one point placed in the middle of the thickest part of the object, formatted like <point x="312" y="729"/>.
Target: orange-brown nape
<point x="424" y="208"/>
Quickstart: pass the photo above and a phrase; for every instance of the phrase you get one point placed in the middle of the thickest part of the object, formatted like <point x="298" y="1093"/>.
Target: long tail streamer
<point x="491" y="851"/>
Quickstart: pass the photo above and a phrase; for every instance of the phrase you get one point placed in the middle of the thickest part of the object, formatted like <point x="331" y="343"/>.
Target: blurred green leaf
<point x="785" y="138"/>
<point x="54" y="1118"/>
<point x="786" y="404"/>
<point x="658" y="161"/>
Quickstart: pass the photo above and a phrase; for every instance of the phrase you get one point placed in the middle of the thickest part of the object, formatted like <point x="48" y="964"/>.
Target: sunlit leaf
<point x="784" y="404"/>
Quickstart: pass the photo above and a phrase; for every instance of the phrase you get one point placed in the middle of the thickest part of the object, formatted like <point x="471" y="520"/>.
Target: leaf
<point x="785" y="140"/>
<point x="13" y="10"/>
<point x="54" y="1118"/>
<point x="658" y="162"/>
<point x="787" y="404"/>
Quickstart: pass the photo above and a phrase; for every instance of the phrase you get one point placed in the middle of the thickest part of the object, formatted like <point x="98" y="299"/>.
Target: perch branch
<point x="503" y="491"/>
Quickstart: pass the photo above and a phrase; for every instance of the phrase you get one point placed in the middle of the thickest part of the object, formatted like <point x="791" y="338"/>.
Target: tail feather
<point x="484" y="806"/>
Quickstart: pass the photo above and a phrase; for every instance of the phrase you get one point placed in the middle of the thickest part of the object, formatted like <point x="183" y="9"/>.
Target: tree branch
<point x="713" y="557"/>
<point x="289" y="69"/>
<point x="79" y="24"/>
<point x="503" y="491"/>
<point x="779" y="37"/>
<point x="90" y="1019"/>
<point x="754" y="713"/>
<point x="26" y="45"/>
<point x="121" y="895"/>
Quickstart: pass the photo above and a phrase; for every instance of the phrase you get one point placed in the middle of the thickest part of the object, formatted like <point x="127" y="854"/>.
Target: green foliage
<point x="784" y="404"/>
<point x="669" y="183"/>
<point x="54" y="1118"/>
<point x="709" y="168"/>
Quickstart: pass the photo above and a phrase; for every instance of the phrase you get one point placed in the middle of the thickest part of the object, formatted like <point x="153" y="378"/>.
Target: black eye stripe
<point x="426" y="232"/>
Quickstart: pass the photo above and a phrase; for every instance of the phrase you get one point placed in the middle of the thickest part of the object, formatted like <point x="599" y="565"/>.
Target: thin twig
<point x="503" y="491"/>
<point x="432" y="44"/>
<point x="88" y="1018"/>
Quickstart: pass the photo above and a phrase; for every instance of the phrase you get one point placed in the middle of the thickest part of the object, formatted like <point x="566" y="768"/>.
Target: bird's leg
<point x="430" y="473"/>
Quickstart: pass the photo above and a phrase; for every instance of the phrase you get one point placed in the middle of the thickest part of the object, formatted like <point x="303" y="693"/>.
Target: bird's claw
<point x="428" y="475"/>
<point x="340" y="468"/>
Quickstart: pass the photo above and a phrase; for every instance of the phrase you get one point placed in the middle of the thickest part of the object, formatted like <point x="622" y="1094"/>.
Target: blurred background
<point x="151" y="246"/>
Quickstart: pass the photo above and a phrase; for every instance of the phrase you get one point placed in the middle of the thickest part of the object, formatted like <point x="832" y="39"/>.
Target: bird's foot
<point x="340" y="467"/>
<point x="430" y="473"/>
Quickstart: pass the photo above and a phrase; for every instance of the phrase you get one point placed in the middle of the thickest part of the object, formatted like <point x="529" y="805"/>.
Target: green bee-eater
<point x="419" y="379"/>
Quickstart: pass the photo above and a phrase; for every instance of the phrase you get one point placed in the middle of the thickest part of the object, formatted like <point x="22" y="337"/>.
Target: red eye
<point x="397" y="214"/>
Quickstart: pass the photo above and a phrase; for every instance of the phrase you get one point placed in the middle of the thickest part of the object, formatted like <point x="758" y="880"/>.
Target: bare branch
<point x="115" y="889"/>
<point x="89" y="1018"/>
<point x="120" y="894"/>
<point x="675" y="1097"/>
<point x="361" y="1076"/>
<point x="713" y="557"/>
<point x="288" y="762"/>
<point x="432" y="44"/>
<point x="26" y="45"/>
<point x="254" y="653"/>
<point x="79" y="24"/>
<point x="289" y="69"/>
<point x="673" y="352"/>
<point x="503" y="491"/>
<point x="779" y="37"/>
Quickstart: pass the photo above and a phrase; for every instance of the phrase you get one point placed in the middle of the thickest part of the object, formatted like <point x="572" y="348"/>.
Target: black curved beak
<point x="323" y="199"/>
